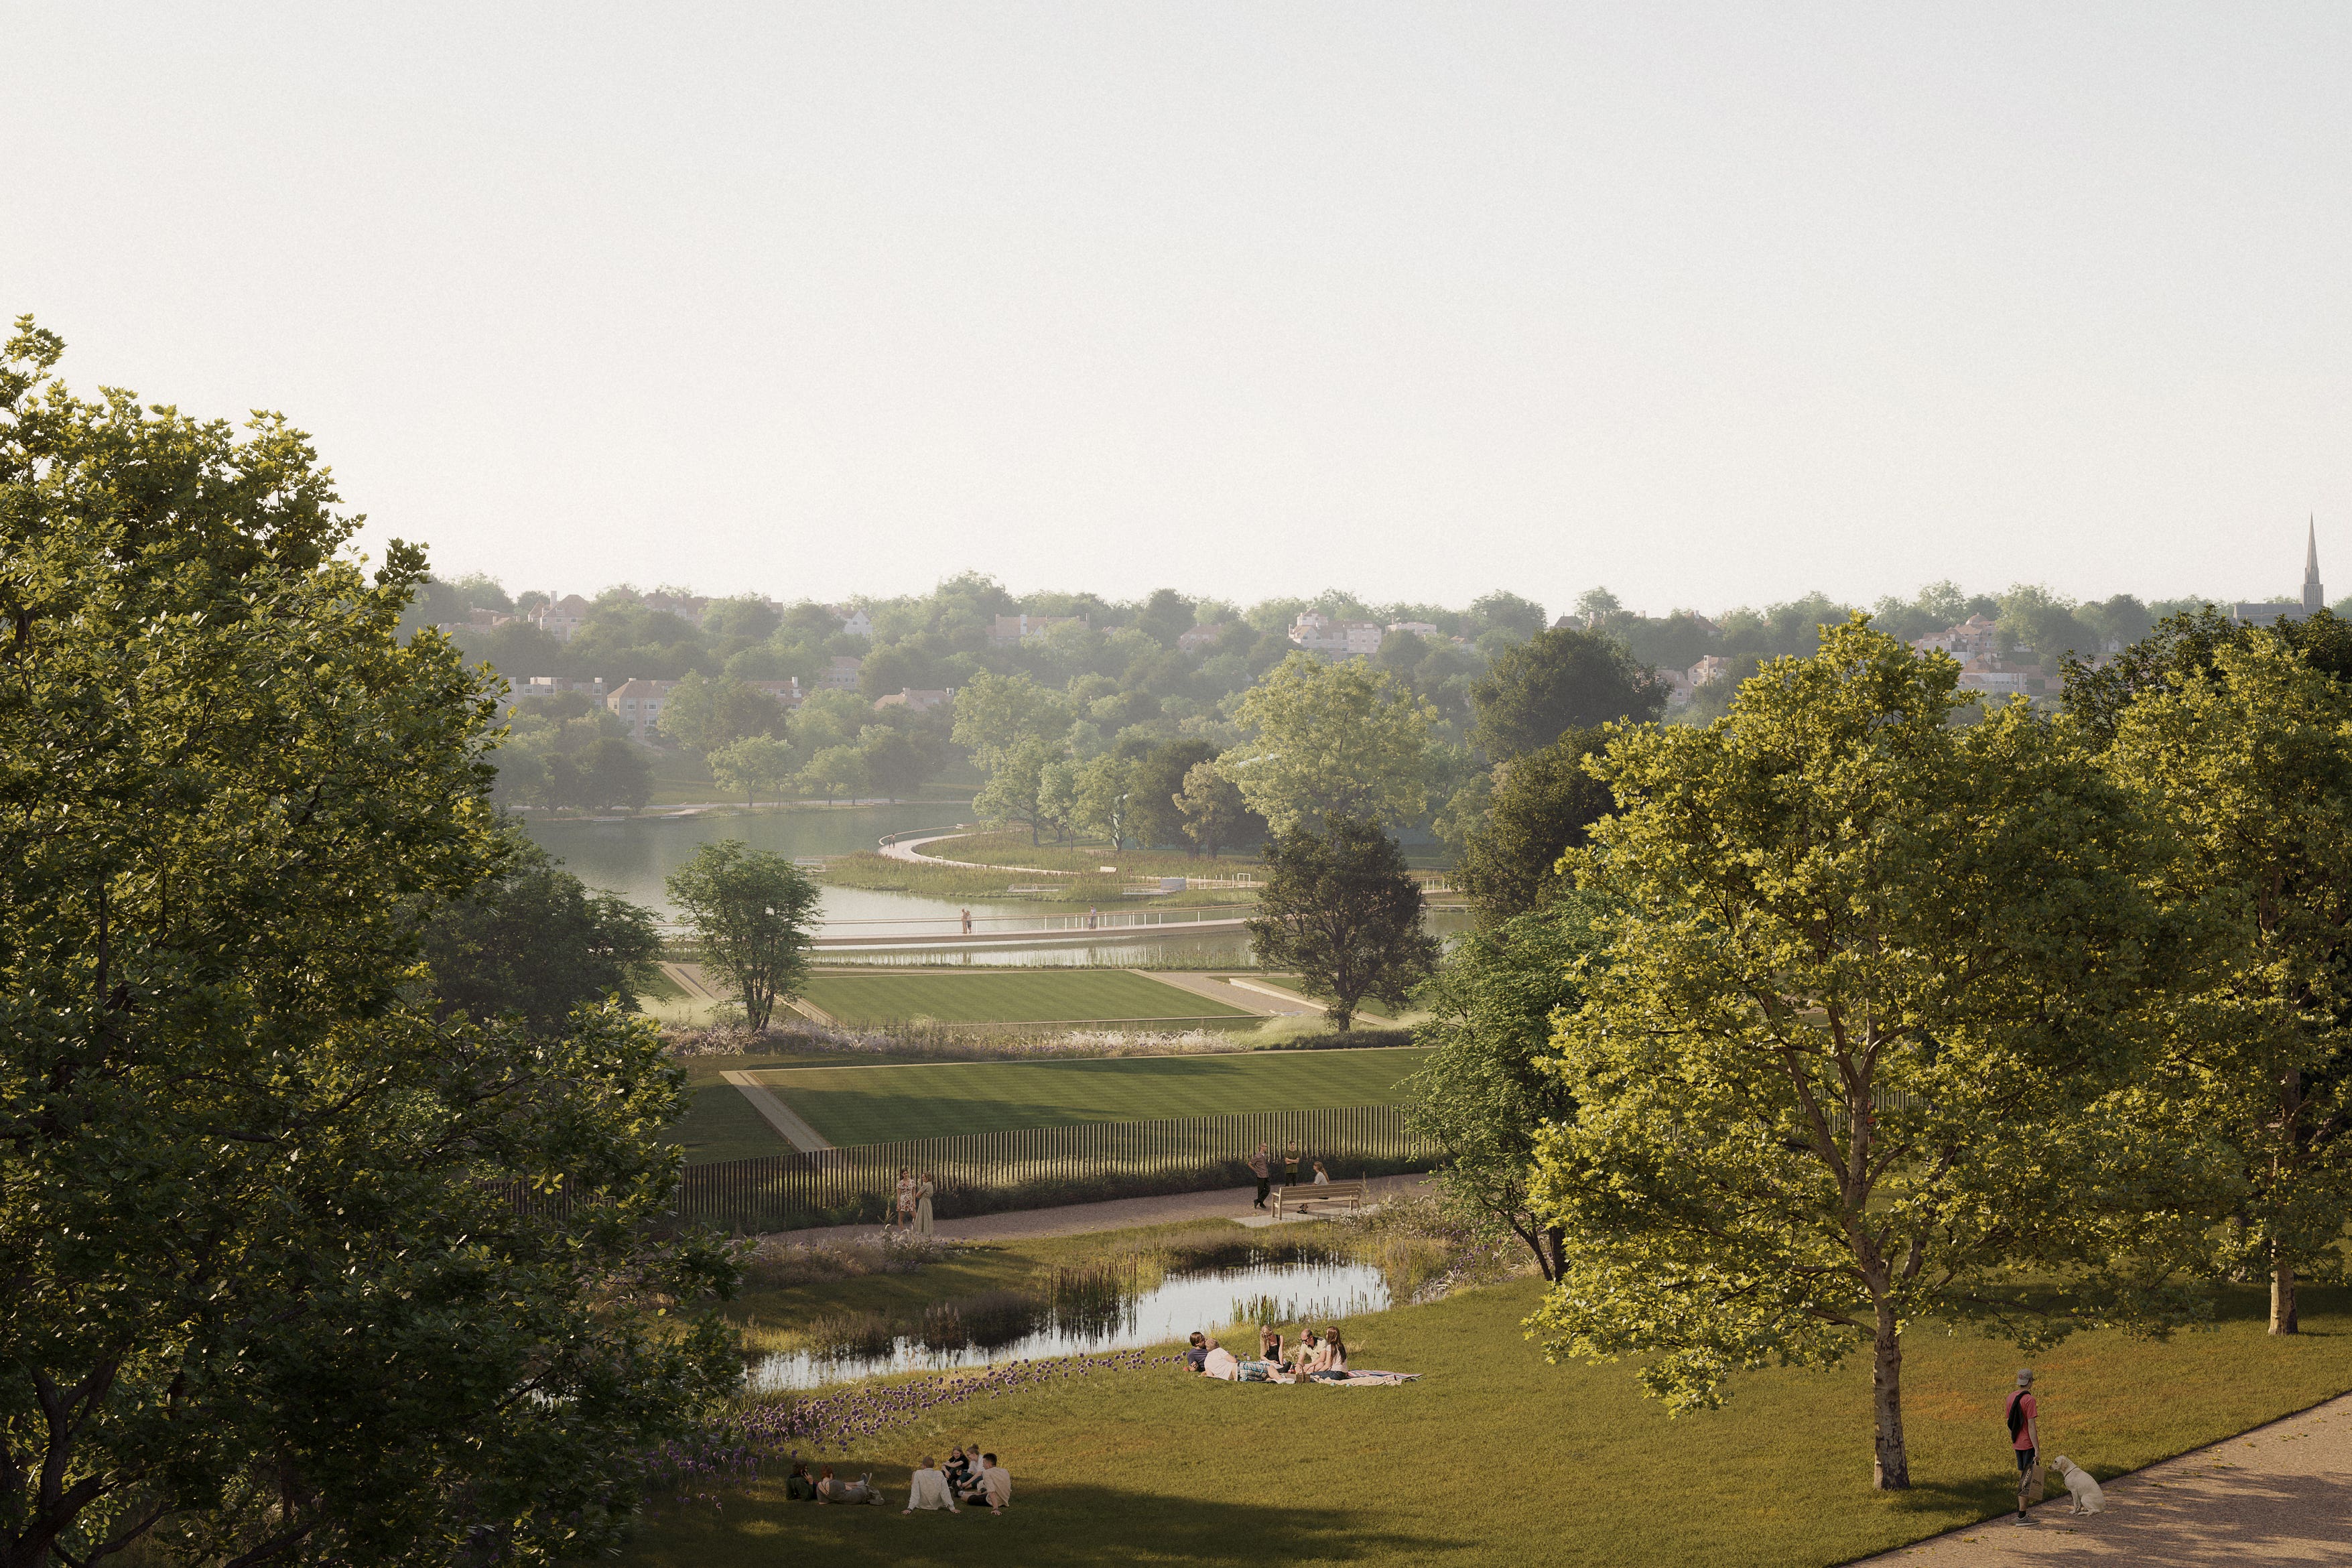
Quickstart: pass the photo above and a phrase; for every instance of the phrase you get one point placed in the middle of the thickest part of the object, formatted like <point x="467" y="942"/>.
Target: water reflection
<point x="1265" y="1292"/>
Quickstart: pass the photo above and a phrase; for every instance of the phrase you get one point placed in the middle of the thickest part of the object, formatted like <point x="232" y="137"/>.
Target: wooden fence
<point x="1037" y="1166"/>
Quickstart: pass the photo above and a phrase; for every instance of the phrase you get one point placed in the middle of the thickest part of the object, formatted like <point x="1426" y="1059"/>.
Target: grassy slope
<point x="719" y="1124"/>
<point x="875" y="1105"/>
<point x="1009" y="996"/>
<point x="1499" y="1460"/>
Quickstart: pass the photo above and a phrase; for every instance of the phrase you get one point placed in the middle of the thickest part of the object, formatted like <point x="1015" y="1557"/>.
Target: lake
<point x="632" y="856"/>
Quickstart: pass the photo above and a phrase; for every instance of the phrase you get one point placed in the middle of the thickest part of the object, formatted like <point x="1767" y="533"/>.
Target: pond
<point x="1289" y="1292"/>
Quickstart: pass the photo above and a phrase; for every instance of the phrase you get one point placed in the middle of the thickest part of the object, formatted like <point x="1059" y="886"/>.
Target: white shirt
<point x="1223" y="1364"/>
<point x="930" y="1490"/>
<point x="997" y="1481"/>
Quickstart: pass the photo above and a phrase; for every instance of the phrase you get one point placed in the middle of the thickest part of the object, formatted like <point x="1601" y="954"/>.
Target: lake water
<point x="1313" y="1294"/>
<point x="632" y="856"/>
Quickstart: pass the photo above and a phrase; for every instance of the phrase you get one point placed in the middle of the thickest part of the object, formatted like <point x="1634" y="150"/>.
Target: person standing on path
<point x="906" y="1201"/>
<point x="924" y="1188"/>
<point x="2024" y="1435"/>
<point x="1290" y="1165"/>
<point x="1257" y="1164"/>
<point x="967" y="922"/>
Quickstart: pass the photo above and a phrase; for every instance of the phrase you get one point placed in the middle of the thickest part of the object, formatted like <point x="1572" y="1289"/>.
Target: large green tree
<point x="1542" y="804"/>
<point x="1152" y="816"/>
<point x="1562" y="679"/>
<point x="266" y="1294"/>
<point x="1340" y="907"/>
<point x="534" y="940"/>
<point x="1331" y="740"/>
<point x="1489" y="1088"/>
<point x="1856" y="1055"/>
<point x="1212" y="810"/>
<point x="706" y="715"/>
<point x="2249" y="761"/>
<point x="754" y="914"/>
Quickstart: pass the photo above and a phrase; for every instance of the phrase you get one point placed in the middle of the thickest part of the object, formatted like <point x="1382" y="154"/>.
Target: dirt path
<point x="1240" y="994"/>
<point x="1119" y="1214"/>
<point x="2280" y="1493"/>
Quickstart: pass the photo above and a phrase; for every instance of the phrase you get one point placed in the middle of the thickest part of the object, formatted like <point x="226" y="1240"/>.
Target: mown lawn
<point x="1498" y="1460"/>
<point x="946" y="1099"/>
<point x="1021" y="996"/>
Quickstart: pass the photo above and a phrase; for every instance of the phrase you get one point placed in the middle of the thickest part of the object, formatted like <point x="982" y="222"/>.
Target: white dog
<point x="2088" y="1498"/>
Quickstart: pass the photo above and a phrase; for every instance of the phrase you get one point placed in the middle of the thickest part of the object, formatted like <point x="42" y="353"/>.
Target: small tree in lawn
<point x="1867" y="975"/>
<point x="1340" y="907"/>
<point x="752" y="764"/>
<point x="1212" y="808"/>
<point x="754" y="913"/>
<point x="1489" y="1088"/>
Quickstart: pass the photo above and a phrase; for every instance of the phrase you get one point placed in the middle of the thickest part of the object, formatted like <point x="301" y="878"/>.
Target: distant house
<point x="1995" y="679"/>
<point x="1319" y="633"/>
<point x="1972" y="638"/>
<point x="786" y="691"/>
<point x="855" y="622"/>
<point x="1418" y="628"/>
<point x="687" y="608"/>
<point x="841" y="674"/>
<point x="559" y="618"/>
<point x="638" y="705"/>
<point x="475" y="621"/>
<point x="1708" y="671"/>
<point x="907" y="697"/>
<point x="1678" y="688"/>
<point x="1010" y="631"/>
<point x="1200" y="636"/>
<point x="555" y="685"/>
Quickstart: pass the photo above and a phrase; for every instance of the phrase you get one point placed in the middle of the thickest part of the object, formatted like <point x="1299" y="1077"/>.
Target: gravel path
<point x="1119" y="1214"/>
<point x="2280" y="1493"/>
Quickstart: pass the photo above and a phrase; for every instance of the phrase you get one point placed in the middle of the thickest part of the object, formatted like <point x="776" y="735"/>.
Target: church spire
<point x="2312" y="597"/>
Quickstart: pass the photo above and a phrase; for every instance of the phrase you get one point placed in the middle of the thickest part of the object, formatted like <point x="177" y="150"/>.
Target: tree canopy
<point x="1331" y="740"/>
<point x="754" y="914"/>
<point x="1867" y="974"/>
<point x="1339" y="907"/>
<point x="247" y="1177"/>
<point x="1562" y="679"/>
<point x="1542" y="804"/>
<point x="533" y="940"/>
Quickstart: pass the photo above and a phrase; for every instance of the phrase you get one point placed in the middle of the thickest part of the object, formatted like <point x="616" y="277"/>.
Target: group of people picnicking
<point x="968" y="1479"/>
<point x="1317" y="1357"/>
<point x="1261" y="1166"/>
<point x="915" y="1190"/>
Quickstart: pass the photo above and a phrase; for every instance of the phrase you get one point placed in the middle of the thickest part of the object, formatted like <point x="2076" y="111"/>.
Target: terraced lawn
<point x="1024" y="996"/>
<point x="946" y="1099"/>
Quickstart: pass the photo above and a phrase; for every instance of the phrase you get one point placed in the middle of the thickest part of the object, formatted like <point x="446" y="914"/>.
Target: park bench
<point x="1304" y="1193"/>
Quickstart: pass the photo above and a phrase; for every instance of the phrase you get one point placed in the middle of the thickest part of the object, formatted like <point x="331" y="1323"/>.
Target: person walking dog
<point x="2025" y="1438"/>
<point x="1257" y="1164"/>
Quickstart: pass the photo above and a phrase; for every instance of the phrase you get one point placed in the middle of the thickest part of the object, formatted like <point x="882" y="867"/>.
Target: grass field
<point x="947" y="1099"/>
<point x="1010" y="996"/>
<point x="1496" y="1459"/>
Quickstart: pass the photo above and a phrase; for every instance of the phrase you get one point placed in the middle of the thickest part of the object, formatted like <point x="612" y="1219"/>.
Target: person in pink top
<point x="2024" y="1435"/>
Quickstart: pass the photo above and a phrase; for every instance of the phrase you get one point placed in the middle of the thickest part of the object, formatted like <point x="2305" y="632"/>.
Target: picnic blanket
<point x="1371" y="1379"/>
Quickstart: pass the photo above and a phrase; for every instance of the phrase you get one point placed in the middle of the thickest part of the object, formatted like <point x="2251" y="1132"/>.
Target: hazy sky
<point x="1711" y="304"/>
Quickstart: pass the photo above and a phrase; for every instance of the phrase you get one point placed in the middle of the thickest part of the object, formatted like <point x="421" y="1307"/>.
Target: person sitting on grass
<point x="1198" y="1354"/>
<point x="1333" y="1362"/>
<point x="1310" y="1352"/>
<point x="929" y="1488"/>
<point x="798" y="1488"/>
<point x="995" y="1485"/>
<point x="958" y="1470"/>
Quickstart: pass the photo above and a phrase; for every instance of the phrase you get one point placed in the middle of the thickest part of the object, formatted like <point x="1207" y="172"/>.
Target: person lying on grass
<point x="929" y="1488"/>
<point x="863" y="1489"/>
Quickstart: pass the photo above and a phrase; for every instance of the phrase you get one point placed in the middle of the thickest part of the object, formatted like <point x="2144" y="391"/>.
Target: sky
<point x="1712" y="304"/>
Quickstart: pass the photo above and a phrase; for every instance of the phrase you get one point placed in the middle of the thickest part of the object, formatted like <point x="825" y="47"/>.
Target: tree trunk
<point x="2282" y="1315"/>
<point x="1890" y="1468"/>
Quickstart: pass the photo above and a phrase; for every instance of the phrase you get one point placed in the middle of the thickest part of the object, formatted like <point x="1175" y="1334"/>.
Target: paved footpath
<point x="2280" y="1493"/>
<point x="1119" y="1214"/>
